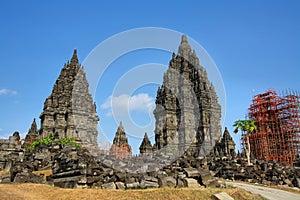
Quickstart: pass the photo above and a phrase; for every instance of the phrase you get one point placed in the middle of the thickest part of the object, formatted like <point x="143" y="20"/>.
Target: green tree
<point x="47" y="141"/>
<point x="247" y="127"/>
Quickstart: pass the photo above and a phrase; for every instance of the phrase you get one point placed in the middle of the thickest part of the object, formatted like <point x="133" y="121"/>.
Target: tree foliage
<point x="48" y="141"/>
<point x="247" y="126"/>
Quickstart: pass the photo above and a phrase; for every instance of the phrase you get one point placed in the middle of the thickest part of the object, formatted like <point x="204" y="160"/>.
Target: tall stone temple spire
<point x="70" y="110"/>
<point x="120" y="147"/>
<point x="187" y="111"/>
<point x="184" y="48"/>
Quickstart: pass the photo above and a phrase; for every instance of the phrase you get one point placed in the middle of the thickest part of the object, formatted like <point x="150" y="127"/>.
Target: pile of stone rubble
<point x="76" y="167"/>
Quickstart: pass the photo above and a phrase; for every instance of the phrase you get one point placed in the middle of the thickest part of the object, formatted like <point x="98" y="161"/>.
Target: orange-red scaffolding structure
<point x="278" y="126"/>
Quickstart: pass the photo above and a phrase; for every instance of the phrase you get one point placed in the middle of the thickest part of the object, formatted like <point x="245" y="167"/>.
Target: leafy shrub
<point x="47" y="141"/>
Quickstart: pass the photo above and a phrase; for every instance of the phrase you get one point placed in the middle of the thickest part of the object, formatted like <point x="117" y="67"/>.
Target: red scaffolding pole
<point x="278" y="126"/>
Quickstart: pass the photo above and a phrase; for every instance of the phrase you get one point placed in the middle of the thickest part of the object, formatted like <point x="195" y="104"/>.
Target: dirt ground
<point x="45" y="192"/>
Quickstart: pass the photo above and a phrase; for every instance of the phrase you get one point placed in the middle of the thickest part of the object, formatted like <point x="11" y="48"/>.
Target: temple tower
<point x="32" y="134"/>
<point x="225" y="146"/>
<point x="70" y="110"/>
<point x="146" y="146"/>
<point x="187" y="111"/>
<point x="120" y="147"/>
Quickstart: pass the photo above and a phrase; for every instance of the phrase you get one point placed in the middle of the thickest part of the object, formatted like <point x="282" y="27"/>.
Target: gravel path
<point x="268" y="193"/>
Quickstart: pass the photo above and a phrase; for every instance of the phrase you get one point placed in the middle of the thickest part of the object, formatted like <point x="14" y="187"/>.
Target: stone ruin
<point x="225" y="146"/>
<point x="10" y="151"/>
<point x="77" y="167"/>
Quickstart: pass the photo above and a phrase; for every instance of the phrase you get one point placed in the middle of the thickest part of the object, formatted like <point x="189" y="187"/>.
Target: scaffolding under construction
<point x="277" y="118"/>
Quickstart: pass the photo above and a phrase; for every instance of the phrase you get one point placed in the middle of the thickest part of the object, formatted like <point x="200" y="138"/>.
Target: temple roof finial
<point x="184" y="47"/>
<point x="74" y="58"/>
<point x="121" y="127"/>
<point x="145" y="146"/>
<point x="226" y="134"/>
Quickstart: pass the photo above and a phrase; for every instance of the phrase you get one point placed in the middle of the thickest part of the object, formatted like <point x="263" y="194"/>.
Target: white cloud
<point x="5" y="91"/>
<point x="124" y="104"/>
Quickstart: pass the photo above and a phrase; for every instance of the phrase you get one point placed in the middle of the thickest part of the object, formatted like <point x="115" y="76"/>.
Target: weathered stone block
<point x="191" y="172"/>
<point x="148" y="184"/>
<point x="222" y="196"/>
<point x="288" y="182"/>
<point x="134" y="185"/>
<point x="191" y="183"/>
<point x="212" y="183"/>
<point x="5" y="178"/>
<point x="180" y="183"/>
<point x="109" y="186"/>
<point x="120" y="185"/>
<point x="205" y="176"/>
<point x="151" y="179"/>
<point x="296" y="182"/>
<point x="167" y="182"/>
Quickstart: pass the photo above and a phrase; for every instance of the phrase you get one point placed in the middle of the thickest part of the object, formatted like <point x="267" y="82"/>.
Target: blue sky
<point x="255" y="44"/>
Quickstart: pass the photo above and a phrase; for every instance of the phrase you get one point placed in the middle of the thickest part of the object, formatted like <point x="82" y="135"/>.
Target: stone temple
<point x="120" y="147"/>
<point x="146" y="147"/>
<point x="32" y="134"/>
<point x="225" y="146"/>
<point x="70" y="110"/>
<point x="187" y="111"/>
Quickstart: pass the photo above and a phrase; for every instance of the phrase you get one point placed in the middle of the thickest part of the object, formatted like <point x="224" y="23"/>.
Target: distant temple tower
<point x="225" y="146"/>
<point x="146" y="146"/>
<point x="120" y="147"/>
<point x="32" y="134"/>
<point x="187" y="111"/>
<point x="70" y="110"/>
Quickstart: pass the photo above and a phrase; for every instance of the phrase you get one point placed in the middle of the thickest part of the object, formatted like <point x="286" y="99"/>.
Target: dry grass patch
<point x="45" y="192"/>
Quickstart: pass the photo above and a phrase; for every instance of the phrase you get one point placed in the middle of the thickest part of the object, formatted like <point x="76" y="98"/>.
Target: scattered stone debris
<point x="77" y="167"/>
<point x="222" y="196"/>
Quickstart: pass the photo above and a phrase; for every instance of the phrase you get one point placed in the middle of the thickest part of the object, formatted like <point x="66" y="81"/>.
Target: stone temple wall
<point x="10" y="152"/>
